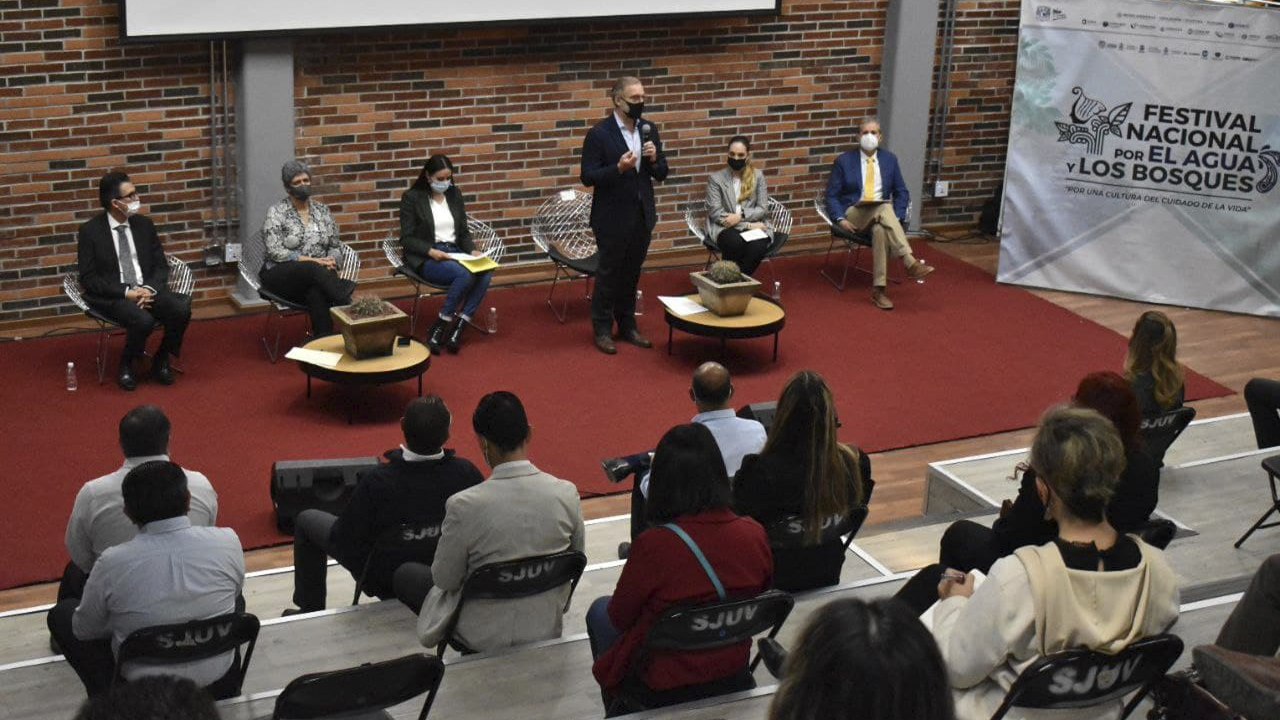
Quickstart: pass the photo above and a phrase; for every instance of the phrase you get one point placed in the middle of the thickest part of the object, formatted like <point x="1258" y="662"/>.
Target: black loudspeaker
<point x="762" y="412"/>
<point x="298" y="485"/>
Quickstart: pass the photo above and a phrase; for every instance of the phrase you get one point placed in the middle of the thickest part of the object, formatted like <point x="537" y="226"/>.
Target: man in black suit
<point x="621" y="157"/>
<point x="124" y="274"/>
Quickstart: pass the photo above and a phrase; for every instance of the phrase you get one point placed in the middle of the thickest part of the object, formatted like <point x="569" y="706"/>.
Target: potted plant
<point x="723" y="289"/>
<point x="369" y="326"/>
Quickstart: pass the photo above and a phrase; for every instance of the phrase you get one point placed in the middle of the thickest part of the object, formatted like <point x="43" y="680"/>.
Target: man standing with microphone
<point x="621" y="157"/>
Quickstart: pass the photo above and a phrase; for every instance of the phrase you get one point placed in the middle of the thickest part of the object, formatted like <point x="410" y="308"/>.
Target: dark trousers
<point x="170" y="310"/>
<point x="600" y="630"/>
<point x="1263" y="397"/>
<point x="1254" y="625"/>
<point x="747" y="253"/>
<point x="966" y="546"/>
<point x="921" y="591"/>
<point x="311" y="548"/>
<point x="311" y="284"/>
<point x="411" y="583"/>
<point x="621" y="258"/>
<point x="72" y="583"/>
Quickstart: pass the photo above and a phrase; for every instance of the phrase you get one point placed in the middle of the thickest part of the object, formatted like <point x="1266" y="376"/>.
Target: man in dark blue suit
<point x="866" y="193"/>
<point x="621" y="157"/>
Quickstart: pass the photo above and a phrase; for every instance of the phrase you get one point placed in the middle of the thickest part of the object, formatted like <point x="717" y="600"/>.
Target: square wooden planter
<point x="370" y="337"/>
<point x="725" y="300"/>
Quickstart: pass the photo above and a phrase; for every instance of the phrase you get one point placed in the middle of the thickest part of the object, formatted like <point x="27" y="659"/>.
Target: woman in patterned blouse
<point x="302" y="247"/>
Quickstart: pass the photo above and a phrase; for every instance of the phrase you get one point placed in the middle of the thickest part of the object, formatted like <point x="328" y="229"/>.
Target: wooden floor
<point x="1228" y="347"/>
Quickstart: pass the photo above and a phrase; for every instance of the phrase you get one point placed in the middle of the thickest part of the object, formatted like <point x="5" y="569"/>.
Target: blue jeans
<point x="462" y="283"/>
<point x="600" y="630"/>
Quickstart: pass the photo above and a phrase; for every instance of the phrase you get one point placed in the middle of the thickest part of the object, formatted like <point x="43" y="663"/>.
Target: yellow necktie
<point x="869" y="184"/>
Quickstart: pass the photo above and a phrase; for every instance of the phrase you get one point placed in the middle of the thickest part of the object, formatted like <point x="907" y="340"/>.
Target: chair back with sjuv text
<point x="1159" y="431"/>
<point x="192" y="640"/>
<point x="405" y="542"/>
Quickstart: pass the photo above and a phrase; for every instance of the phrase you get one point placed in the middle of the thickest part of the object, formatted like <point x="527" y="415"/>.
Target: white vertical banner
<point x="1143" y="153"/>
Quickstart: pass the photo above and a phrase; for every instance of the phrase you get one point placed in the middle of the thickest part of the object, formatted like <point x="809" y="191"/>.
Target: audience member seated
<point x="1241" y="668"/>
<point x="433" y="224"/>
<point x="863" y="661"/>
<point x="1090" y="587"/>
<point x="1263" y="398"/>
<point x="804" y="470"/>
<point x="411" y="487"/>
<point x="969" y="546"/>
<point x="159" y="697"/>
<point x="171" y="572"/>
<point x="737" y="202"/>
<point x="1151" y="364"/>
<point x="98" y="520"/>
<point x="689" y="512"/>
<point x="302" y="251"/>
<point x="711" y="392"/>
<point x="518" y="512"/>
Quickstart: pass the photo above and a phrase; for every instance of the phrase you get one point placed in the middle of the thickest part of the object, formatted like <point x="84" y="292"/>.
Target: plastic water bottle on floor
<point x="639" y="302"/>
<point x="72" y="384"/>
<point x="777" y="289"/>
<point x="493" y="320"/>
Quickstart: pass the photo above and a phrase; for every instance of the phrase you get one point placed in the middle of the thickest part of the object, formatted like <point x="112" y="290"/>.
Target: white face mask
<point x="133" y="207"/>
<point x="869" y="142"/>
<point x="441" y="186"/>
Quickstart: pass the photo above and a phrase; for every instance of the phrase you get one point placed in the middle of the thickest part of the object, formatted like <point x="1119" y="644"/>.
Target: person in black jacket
<point x="621" y="157"/>
<point x="125" y="276"/>
<point x="433" y="224"/>
<point x="966" y="545"/>
<point x="804" y="471"/>
<point x="411" y="487"/>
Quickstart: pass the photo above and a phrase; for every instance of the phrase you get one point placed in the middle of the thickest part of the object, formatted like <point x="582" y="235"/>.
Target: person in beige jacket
<point x="518" y="512"/>
<point x="1091" y="587"/>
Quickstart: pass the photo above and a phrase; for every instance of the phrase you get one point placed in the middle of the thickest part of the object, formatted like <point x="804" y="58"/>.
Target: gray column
<point x="264" y="136"/>
<point x="906" y="86"/>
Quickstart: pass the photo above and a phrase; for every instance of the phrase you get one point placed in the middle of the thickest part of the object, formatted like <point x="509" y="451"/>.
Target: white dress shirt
<point x="133" y="249"/>
<point x="632" y="136"/>
<point x="737" y="193"/>
<point x="878" y="187"/>
<point x="736" y="437"/>
<point x="170" y="573"/>
<point x="98" y="521"/>
<point x="442" y="219"/>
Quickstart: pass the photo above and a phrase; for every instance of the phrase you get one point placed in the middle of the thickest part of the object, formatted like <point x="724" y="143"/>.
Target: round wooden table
<point x="764" y="316"/>
<point x="404" y="363"/>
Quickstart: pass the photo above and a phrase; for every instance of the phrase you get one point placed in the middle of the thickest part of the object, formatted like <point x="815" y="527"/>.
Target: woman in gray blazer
<point x="737" y="202"/>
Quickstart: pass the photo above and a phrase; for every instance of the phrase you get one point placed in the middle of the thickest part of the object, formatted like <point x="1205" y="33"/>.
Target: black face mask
<point x="737" y="163"/>
<point x="635" y="110"/>
<point x="302" y="192"/>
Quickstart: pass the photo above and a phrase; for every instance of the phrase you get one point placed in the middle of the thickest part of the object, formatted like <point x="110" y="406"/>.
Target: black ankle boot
<point x="455" y="335"/>
<point x="435" y="336"/>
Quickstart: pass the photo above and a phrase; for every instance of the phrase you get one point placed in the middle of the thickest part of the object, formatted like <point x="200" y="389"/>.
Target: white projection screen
<point x="175" y="19"/>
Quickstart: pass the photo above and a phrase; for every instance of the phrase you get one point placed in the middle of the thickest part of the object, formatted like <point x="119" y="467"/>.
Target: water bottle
<point x="777" y="289"/>
<point x="493" y="320"/>
<point x="639" y="302"/>
<point x="71" y="376"/>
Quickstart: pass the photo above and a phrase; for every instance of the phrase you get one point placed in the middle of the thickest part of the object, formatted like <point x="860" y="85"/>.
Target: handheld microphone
<point x="645" y="130"/>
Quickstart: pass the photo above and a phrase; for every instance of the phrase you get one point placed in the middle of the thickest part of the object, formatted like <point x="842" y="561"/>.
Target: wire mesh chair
<point x="486" y="241"/>
<point x="181" y="282"/>
<point x="853" y="244"/>
<point x="562" y="230"/>
<point x="695" y="218"/>
<point x="778" y="221"/>
<point x="253" y="255"/>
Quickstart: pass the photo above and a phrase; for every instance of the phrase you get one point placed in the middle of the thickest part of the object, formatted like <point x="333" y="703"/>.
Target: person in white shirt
<point x="98" y="520"/>
<point x="171" y="572"/>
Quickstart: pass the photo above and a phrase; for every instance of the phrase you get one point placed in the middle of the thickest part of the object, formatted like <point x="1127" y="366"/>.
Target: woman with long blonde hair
<point x="804" y="470"/>
<point x="1151" y="364"/>
<point x="737" y="202"/>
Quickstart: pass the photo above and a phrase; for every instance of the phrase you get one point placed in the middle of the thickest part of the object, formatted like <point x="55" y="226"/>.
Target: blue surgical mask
<point x="441" y="186"/>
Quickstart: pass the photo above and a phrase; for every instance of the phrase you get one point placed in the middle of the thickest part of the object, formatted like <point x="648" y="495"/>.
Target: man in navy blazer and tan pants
<point x="866" y="193"/>
<point x="621" y="157"/>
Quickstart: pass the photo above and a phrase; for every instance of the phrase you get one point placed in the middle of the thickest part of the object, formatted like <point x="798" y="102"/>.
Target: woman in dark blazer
<point x="737" y="201"/>
<point x="688" y="488"/>
<point x="433" y="223"/>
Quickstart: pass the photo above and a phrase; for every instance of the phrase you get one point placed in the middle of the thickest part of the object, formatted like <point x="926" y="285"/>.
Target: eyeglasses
<point x="130" y="196"/>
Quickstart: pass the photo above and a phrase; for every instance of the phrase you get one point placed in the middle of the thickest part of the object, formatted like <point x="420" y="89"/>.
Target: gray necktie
<point x="126" y="256"/>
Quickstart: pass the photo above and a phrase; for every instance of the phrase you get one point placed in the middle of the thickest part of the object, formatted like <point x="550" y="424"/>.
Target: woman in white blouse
<point x="433" y="224"/>
<point x="737" y="202"/>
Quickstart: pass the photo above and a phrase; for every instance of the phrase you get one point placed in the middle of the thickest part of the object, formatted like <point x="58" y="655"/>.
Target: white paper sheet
<point x="755" y="235"/>
<point x="461" y="256"/>
<point x="927" y="617"/>
<point x="322" y="358"/>
<point x="681" y="305"/>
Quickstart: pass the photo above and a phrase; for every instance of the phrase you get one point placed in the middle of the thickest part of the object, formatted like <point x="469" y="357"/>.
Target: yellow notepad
<point x="475" y="263"/>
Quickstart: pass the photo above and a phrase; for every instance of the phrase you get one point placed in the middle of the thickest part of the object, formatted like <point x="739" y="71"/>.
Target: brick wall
<point x="509" y="105"/>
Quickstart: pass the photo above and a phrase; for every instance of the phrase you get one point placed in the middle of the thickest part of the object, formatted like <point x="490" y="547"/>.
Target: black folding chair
<point x="1159" y="431"/>
<point x="406" y="542"/>
<point x="1272" y="467"/>
<point x="1157" y="532"/>
<point x="194" y="640"/>
<point x="516" y="579"/>
<point x="561" y="230"/>
<point x="702" y="626"/>
<point x="362" y="690"/>
<point x="1086" y="678"/>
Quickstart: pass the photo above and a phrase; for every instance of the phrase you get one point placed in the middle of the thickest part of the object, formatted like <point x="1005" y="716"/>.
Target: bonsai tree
<point x="368" y="306"/>
<point x="724" y="272"/>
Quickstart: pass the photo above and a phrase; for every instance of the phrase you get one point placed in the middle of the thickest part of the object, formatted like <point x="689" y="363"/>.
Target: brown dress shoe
<point x="604" y="344"/>
<point x="635" y="338"/>
<point x="881" y="300"/>
<point x="919" y="270"/>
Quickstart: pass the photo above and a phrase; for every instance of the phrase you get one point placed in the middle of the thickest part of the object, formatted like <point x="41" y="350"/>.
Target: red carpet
<point x="960" y="356"/>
